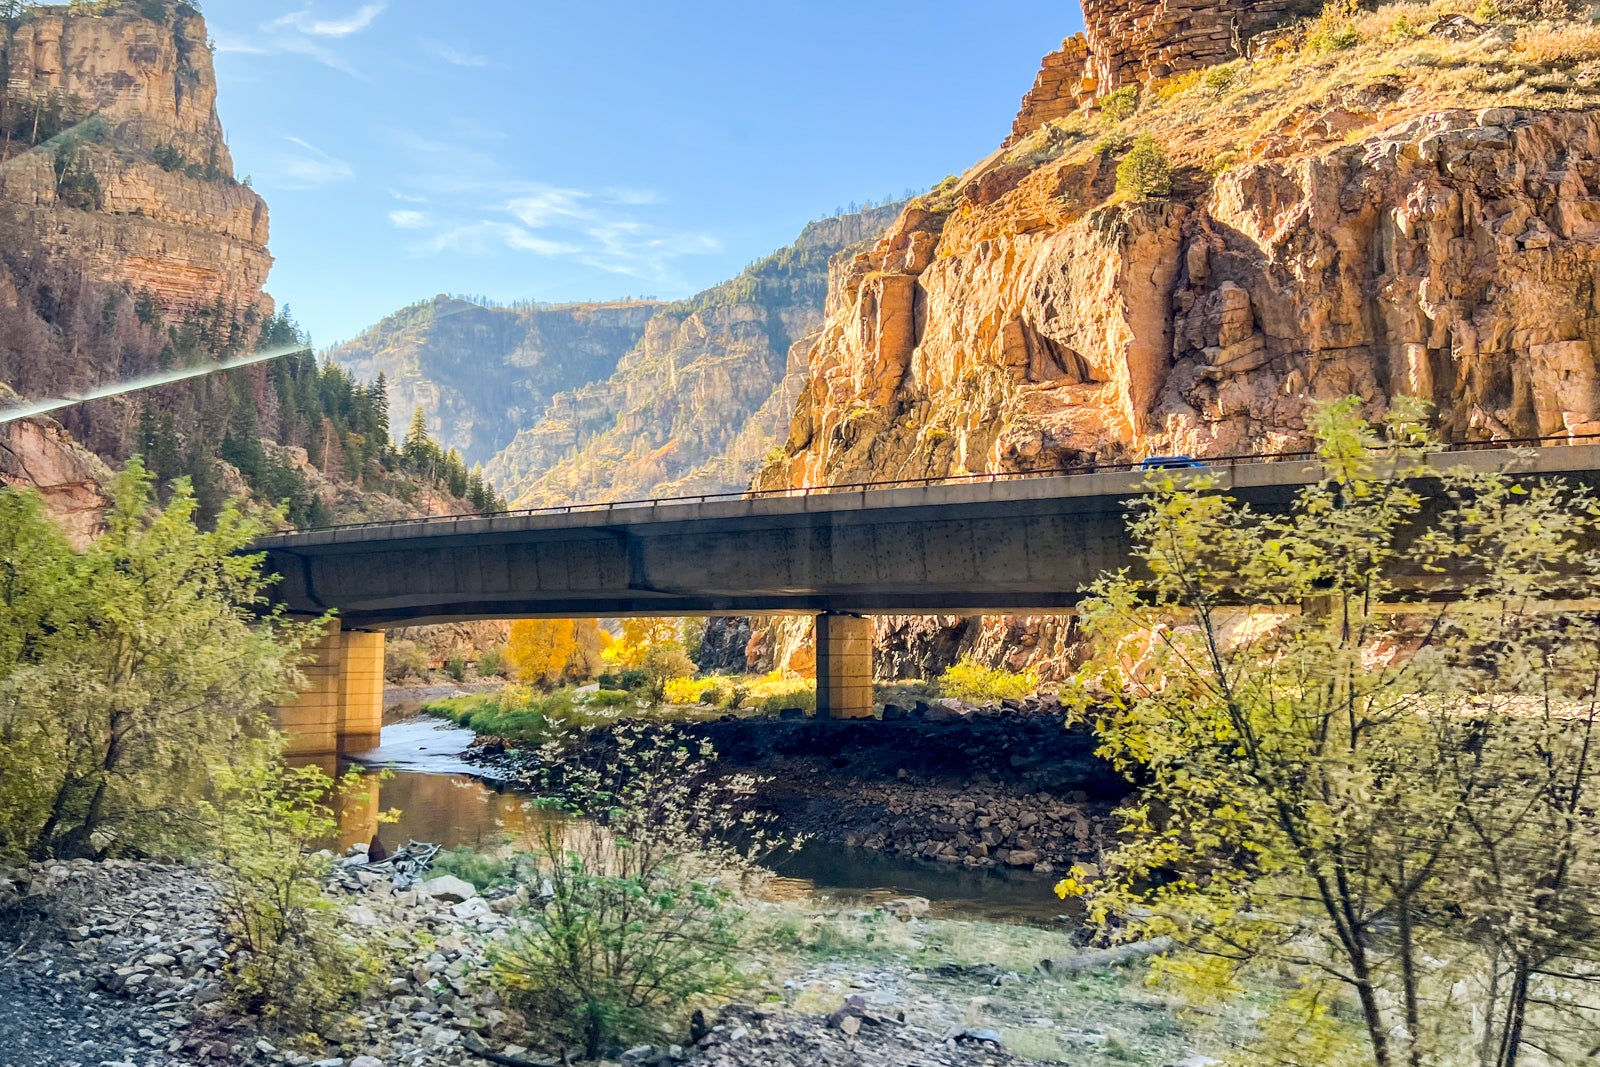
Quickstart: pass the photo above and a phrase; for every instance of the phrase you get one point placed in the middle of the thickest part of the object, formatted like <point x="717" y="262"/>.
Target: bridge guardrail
<point x="1091" y="467"/>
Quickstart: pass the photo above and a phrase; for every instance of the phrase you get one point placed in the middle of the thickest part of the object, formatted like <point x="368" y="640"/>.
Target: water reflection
<point x="439" y="802"/>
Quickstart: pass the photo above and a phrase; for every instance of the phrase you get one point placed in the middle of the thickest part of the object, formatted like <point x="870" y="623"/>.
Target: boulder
<point x="449" y="888"/>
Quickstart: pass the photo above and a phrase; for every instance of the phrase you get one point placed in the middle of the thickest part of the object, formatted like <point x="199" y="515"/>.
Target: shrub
<point x="636" y="920"/>
<point x="1178" y="84"/>
<point x="482" y="870"/>
<point x="970" y="680"/>
<point x="456" y="668"/>
<point x="629" y="679"/>
<point x="1145" y="172"/>
<point x="1121" y="104"/>
<point x="662" y="663"/>
<point x="404" y="661"/>
<point x="292" y="964"/>
<point x="493" y="663"/>
<point x="1334" y="29"/>
<point x="1222" y="161"/>
<point x="516" y="713"/>
<point x="774" y="692"/>
<point x="609" y="698"/>
<point x="685" y="690"/>
<point x="1219" y="80"/>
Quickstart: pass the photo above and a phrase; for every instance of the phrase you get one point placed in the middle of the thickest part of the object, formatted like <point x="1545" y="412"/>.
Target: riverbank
<point x="1008" y="786"/>
<point x="119" y="963"/>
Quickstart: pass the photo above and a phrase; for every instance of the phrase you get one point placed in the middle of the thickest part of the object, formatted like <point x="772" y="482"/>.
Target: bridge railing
<point x="1085" y="468"/>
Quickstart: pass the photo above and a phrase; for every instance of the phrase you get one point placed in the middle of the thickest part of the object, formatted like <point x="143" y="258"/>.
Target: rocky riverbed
<point x="1004" y="786"/>
<point x="121" y="963"/>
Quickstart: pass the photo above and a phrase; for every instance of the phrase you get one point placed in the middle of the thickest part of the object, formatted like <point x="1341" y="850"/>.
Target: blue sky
<point x="586" y="151"/>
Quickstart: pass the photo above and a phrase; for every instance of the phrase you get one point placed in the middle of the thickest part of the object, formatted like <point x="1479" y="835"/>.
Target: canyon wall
<point x="1036" y="319"/>
<point x="139" y="187"/>
<point x="700" y="401"/>
<point x="1140" y="42"/>
<point x="482" y="374"/>
<point x="1341" y="221"/>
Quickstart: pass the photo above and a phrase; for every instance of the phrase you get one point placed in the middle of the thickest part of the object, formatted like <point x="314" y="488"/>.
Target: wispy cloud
<point x="302" y="33"/>
<point x="307" y="167"/>
<point x="306" y="22"/>
<point x="607" y="229"/>
<point x="459" y="57"/>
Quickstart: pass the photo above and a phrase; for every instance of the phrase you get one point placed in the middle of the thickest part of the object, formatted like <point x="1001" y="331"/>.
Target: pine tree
<point x="419" y="447"/>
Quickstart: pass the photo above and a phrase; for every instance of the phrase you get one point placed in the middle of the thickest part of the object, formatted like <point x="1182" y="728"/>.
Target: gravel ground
<point x="113" y="964"/>
<point x="61" y="948"/>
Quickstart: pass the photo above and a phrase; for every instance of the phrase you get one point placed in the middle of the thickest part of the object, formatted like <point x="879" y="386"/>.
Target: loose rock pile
<point x="111" y="963"/>
<point x="1039" y="832"/>
<point x="854" y="1035"/>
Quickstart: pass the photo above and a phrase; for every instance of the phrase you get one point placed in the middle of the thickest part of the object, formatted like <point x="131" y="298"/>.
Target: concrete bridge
<point x="984" y="545"/>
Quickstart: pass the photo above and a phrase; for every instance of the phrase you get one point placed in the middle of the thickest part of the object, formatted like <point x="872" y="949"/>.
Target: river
<point x="440" y="799"/>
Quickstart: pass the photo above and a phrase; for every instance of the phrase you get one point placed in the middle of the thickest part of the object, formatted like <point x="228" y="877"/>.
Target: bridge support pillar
<point x="844" y="667"/>
<point x="341" y="707"/>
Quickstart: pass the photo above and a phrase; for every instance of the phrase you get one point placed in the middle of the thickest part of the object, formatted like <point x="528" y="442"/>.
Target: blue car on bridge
<point x="1170" y="463"/>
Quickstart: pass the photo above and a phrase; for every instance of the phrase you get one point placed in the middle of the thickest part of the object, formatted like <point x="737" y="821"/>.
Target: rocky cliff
<point x="128" y="247"/>
<point x="703" y="398"/>
<point x="1401" y="201"/>
<point x="1366" y="216"/>
<point x="481" y="374"/>
<point x="111" y="152"/>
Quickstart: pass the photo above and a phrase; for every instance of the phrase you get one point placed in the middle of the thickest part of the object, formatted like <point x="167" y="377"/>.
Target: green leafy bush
<point x="1334" y="29"/>
<point x="292" y="964"/>
<point x="971" y="680"/>
<point x="481" y="869"/>
<point x="404" y="661"/>
<point x="1145" y="172"/>
<point x="638" y="920"/>
<point x="128" y="671"/>
<point x="456" y="668"/>
<point x="624" y="679"/>
<point x="1121" y="104"/>
<point x="609" y="698"/>
<point x="662" y="663"/>
<point x="492" y="663"/>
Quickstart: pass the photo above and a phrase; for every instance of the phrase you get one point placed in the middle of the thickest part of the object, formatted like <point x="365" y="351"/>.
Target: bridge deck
<point x="1028" y="544"/>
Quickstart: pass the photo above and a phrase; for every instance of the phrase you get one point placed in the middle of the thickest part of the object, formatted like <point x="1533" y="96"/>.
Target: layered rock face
<point x="1373" y="229"/>
<point x="1451" y="255"/>
<point x="73" y="481"/>
<point x="704" y="397"/>
<point x="140" y="187"/>
<point x="1143" y="41"/>
<point x="481" y="374"/>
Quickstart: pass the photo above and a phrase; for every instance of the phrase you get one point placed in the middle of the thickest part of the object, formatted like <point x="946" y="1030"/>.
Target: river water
<point x="440" y="799"/>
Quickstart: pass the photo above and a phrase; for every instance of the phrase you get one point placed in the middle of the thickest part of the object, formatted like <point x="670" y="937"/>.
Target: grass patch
<point x="482" y="869"/>
<point x="1559" y="46"/>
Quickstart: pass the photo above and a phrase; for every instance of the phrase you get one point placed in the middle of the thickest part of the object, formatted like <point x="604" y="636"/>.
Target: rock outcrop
<point x="139" y="185"/>
<point x="1343" y="221"/>
<point x="1136" y="43"/>
<point x="1367" y="244"/>
<point x="73" y="481"/>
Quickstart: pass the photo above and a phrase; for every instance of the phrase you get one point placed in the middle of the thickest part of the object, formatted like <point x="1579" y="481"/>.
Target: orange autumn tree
<point x="546" y="652"/>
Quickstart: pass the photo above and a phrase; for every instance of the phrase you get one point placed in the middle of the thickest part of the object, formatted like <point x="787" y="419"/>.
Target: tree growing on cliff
<point x="1396" y="807"/>
<point x="129" y="672"/>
